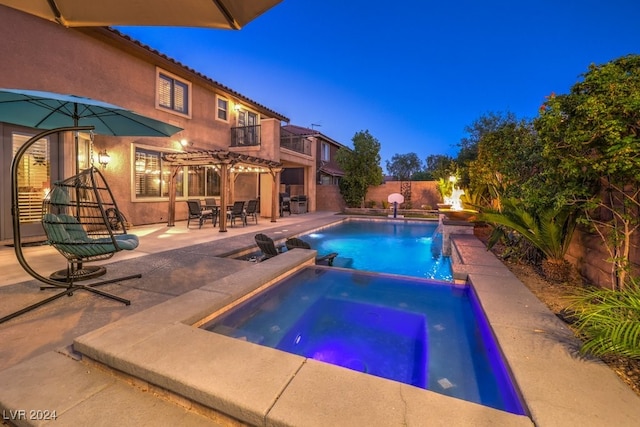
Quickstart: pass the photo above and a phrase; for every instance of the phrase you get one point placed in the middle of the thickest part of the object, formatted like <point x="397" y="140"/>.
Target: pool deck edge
<point x="558" y="384"/>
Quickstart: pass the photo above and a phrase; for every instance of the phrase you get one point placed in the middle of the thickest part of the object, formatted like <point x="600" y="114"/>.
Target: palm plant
<point x="609" y="320"/>
<point x="548" y="229"/>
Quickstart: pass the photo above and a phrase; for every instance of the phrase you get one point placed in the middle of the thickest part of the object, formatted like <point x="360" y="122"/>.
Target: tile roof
<point x="302" y="131"/>
<point x="128" y="39"/>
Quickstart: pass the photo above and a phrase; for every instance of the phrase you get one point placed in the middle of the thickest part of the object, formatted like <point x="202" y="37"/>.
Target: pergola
<point x="226" y="162"/>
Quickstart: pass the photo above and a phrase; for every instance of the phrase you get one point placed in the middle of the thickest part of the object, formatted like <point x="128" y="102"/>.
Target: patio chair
<point x="210" y="202"/>
<point x="295" y="242"/>
<point x="197" y="212"/>
<point x="267" y="246"/>
<point x="237" y="211"/>
<point x="252" y="210"/>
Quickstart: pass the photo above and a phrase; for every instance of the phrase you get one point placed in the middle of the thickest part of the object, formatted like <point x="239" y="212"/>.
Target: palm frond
<point x="550" y="230"/>
<point x="609" y="321"/>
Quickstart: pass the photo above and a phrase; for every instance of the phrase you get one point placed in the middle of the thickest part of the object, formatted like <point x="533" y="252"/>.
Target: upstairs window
<point x="222" y="108"/>
<point x="325" y="155"/>
<point x="173" y="94"/>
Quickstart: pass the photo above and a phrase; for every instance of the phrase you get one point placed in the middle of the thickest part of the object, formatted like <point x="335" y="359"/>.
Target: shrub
<point x="609" y="321"/>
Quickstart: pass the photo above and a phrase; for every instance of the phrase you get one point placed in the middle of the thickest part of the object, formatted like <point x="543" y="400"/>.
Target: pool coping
<point x="263" y="386"/>
<point x="255" y="384"/>
<point x="159" y="349"/>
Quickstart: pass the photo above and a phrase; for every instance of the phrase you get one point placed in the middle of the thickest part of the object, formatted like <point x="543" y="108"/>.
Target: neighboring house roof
<point x="117" y="36"/>
<point x="331" y="171"/>
<point x="302" y="131"/>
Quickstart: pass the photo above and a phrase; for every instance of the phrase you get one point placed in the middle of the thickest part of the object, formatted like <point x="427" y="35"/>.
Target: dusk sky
<point x="414" y="73"/>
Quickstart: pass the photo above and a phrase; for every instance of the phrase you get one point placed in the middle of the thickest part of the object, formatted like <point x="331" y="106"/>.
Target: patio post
<point x="224" y="184"/>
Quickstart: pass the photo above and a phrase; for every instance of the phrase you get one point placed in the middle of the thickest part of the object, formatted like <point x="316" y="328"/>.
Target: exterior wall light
<point x="104" y="158"/>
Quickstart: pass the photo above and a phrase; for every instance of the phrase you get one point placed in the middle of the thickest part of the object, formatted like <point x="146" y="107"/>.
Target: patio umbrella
<point x="224" y="14"/>
<point x="54" y="113"/>
<point x="48" y="110"/>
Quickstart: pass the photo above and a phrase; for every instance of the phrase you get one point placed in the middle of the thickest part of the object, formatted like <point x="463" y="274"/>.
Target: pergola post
<point x="275" y="195"/>
<point x="171" y="221"/>
<point x="224" y="184"/>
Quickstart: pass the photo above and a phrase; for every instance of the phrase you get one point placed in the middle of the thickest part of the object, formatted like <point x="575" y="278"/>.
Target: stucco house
<point x="106" y="65"/>
<point x="326" y="172"/>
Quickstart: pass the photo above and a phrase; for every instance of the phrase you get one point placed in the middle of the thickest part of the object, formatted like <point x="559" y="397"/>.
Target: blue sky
<point x="414" y="73"/>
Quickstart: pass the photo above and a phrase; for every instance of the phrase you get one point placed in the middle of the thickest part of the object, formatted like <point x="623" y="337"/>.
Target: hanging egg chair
<point x="82" y="221"/>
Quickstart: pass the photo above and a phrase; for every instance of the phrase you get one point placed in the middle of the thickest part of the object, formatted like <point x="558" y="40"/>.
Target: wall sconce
<point x="237" y="107"/>
<point x="185" y="143"/>
<point x="104" y="158"/>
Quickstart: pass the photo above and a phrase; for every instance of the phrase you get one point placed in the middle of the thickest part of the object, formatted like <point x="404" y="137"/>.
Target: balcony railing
<point x="299" y="144"/>
<point x="245" y="136"/>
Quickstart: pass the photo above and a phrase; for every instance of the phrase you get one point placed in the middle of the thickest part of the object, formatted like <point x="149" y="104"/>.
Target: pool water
<point x="406" y="248"/>
<point x="426" y="333"/>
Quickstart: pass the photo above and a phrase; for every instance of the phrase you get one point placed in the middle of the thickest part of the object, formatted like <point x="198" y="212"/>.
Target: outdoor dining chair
<point x="237" y="211"/>
<point x="197" y="212"/>
<point x="252" y="210"/>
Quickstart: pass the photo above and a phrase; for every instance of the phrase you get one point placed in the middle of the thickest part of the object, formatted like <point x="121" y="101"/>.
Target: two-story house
<point x="325" y="173"/>
<point x="103" y="64"/>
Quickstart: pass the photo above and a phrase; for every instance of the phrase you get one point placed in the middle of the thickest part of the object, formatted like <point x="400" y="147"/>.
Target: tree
<point x="508" y="155"/>
<point x="440" y="166"/>
<point x="486" y="123"/>
<point x="404" y="166"/>
<point x="591" y="140"/>
<point x="361" y="167"/>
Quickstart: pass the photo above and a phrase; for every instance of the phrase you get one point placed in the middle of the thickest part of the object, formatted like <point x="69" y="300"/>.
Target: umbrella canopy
<point x="48" y="110"/>
<point x="224" y="14"/>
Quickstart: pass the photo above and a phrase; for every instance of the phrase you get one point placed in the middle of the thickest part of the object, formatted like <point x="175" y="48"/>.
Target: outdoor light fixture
<point x="104" y="158"/>
<point x="237" y="107"/>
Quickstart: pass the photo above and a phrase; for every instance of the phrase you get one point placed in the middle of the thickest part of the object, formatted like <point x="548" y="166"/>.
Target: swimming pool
<point x="410" y="248"/>
<point x="421" y="332"/>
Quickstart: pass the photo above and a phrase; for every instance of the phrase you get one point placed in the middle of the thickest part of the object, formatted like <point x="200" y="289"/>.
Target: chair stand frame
<point x="78" y="273"/>
<point x="69" y="287"/>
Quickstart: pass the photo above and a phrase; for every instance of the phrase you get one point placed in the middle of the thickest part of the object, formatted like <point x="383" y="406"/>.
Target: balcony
<point x="299" y="144"/>
<point x="245" y="136"/>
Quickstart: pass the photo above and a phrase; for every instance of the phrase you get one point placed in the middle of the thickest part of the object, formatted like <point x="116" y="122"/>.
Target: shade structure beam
<point x="226" y="162"/>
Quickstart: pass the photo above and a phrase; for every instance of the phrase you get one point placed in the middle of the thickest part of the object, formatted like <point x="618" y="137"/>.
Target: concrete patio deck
<point x="146" y="363"/>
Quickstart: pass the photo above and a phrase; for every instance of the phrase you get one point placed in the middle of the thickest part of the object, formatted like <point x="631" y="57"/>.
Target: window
<point x="152" y="178"/>
<point x="34" y="172"/>
<point x="325" y="152"/>
<point x="173" y="94"/>
<point x="222" y="109"/>
<point x="204" y="181"/>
